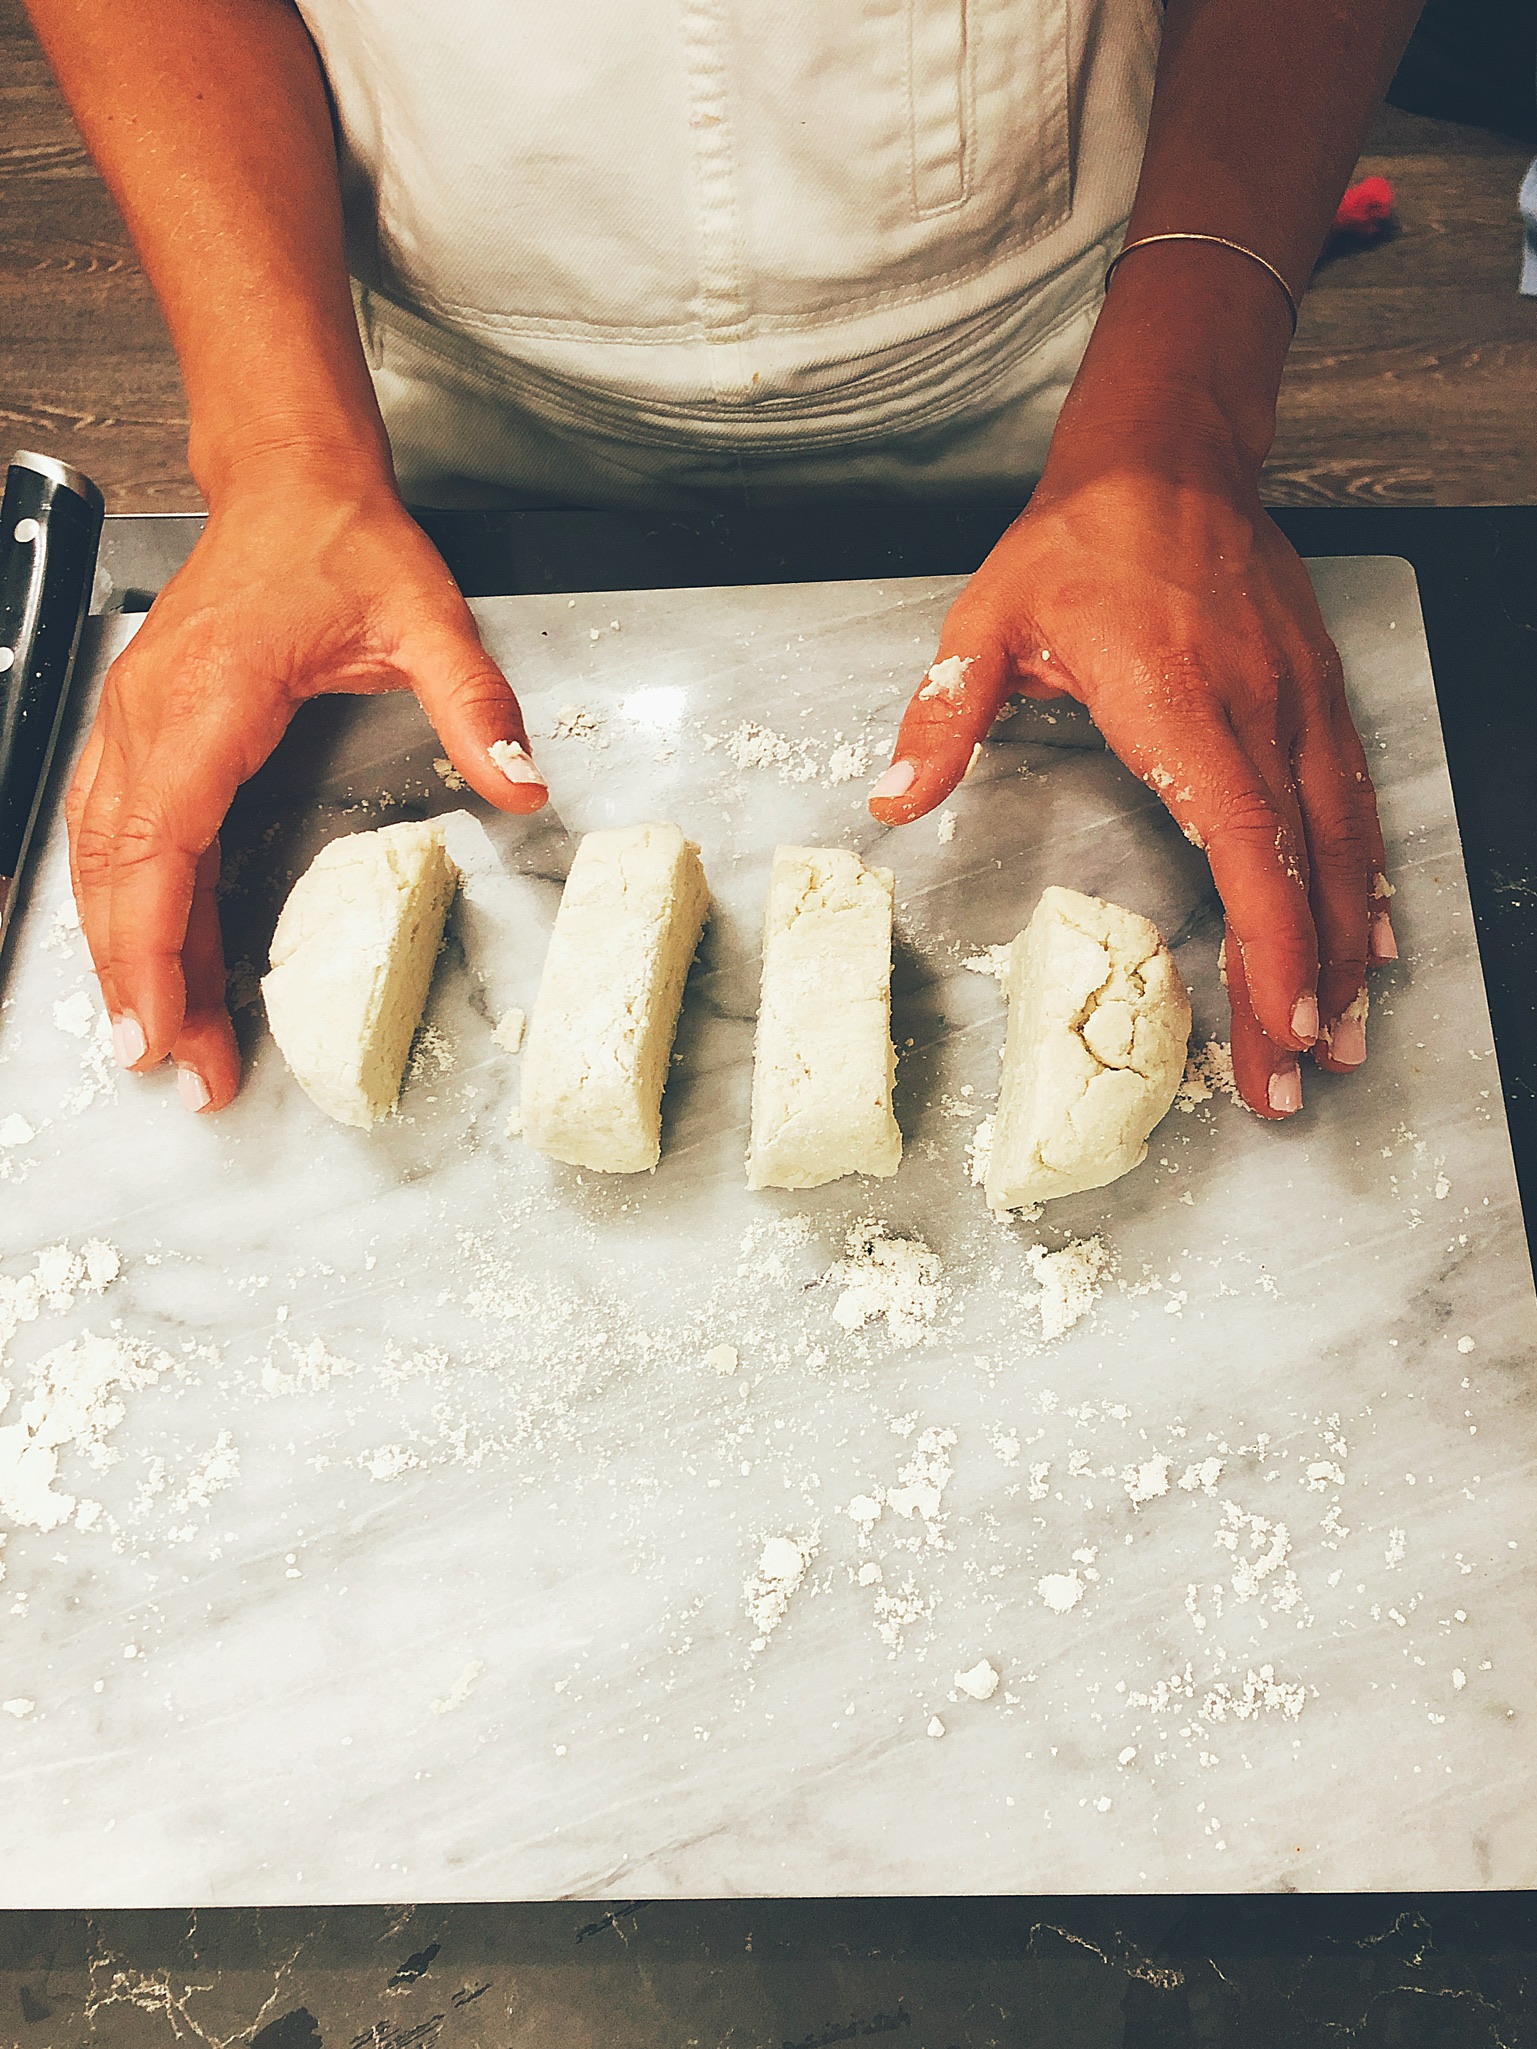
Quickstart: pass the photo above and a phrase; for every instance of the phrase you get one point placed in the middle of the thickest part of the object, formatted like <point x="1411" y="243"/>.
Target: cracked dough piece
<point x="352" y="956"/>
<point x="1098" y="1026"/>
<point x="823" y="1066"/>
<point x="595" y="1059"/>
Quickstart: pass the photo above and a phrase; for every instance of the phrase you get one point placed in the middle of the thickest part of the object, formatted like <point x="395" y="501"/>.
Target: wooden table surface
<point x="1410" y="384"/>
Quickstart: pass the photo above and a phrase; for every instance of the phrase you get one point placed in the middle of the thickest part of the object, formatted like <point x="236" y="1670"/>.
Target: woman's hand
<point x="1153" y="587"/>
<point x="297" y="587"/>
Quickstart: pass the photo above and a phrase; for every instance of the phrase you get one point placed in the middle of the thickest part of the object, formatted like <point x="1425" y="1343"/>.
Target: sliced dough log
<point x="352" y="957"/>
<point x="598" y="1044"/>
<point x="824" y="1064"/>
<point x="1098" y="1027"/>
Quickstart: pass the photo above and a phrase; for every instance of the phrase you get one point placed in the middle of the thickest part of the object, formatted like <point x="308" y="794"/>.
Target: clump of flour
<point x="891" y="1280"/>
<point x="1071" y="1282"/>
<point x="992" y="960"/>
<point x="782" y="1565"/>
<point x="848" y="761"/>
<point x="510" y="1027"/>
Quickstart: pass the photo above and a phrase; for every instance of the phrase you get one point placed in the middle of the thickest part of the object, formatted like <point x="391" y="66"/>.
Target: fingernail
<point x="1347" y="1040"/>
<point x="192" y="1088"/>
<point x="1285" y="1091"/>
<point x="1305" y="1020"/>
<point x="1384" y="945"/>
<point x="514" y="763"/>
<point x="129" y="1044"/>
<point x="897" y="780"/>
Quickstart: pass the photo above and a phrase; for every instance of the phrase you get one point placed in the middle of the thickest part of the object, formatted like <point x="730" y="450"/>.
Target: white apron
<point x="616" y="251"/>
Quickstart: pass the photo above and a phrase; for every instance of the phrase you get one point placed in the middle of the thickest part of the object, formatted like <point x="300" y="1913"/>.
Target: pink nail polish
<point x="129" y="1044"/>
<point x="1285" y="1091"/>
<point x="1384" y="945"/>
<point x="514" y="763"/>
<point x="192" y="1088"/>
<point x="1305" y="1019"/>
<point x="897" y="780"/>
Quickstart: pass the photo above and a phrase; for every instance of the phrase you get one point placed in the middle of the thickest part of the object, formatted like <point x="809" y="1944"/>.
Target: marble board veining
<point x="409" y="1523"/>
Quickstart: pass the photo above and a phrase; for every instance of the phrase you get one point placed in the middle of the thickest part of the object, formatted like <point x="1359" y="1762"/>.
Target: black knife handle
<point x="50" y="525"/>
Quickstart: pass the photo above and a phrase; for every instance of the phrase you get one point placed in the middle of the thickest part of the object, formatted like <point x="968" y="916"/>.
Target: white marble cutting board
<point x="408" y="1557"/>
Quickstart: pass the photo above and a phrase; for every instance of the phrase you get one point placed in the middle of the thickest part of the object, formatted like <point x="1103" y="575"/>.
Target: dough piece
<point x="824" y="1064"/>
<point x="1098" y="1026"/>
<point x="352" y="957"/>
<point x="598" y="1044"/>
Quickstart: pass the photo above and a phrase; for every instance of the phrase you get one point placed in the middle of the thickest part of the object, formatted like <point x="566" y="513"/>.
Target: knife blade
<point x="50" y="529"/>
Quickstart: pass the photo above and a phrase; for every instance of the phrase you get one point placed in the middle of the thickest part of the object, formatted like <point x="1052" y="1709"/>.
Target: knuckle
<point x="1246" y="818"/>
<point x="479" y="689"/>
<point x="1338" y="844"/>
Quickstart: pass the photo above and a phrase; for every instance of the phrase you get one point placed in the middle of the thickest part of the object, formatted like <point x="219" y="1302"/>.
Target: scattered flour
<point x="919" y="1490"/>
<point x="576" y="722"/>
<point x="1071" y="1282"/>
<point x="921" y="1483"/>
<point x="98" y="1069"/>
<point x="314" y="1368"/>
<point x="510" y="1027"/>
<point x="74" y="1403"/>
<point x="1268" y="1550"/>
<point x="782" y="1566"/>
<point x="1261" y="1694"/>
<point x="848" y="762"/>
<point x="388" y="1462"/>
<point x="979" y="1153"/>
<point x="63" y="929"/>
<point x="19" y="1707"/>
<point x="895" y="1280"/>
<point x="945" y="827"/>
<point x="936" y="1726"/>
<point x="723" y="1358"/>
<point x="899" y="1611"/>
<point x="754" y="746"/>
<point x="1208" y="1073"/>
<point x="15" y="1130"/>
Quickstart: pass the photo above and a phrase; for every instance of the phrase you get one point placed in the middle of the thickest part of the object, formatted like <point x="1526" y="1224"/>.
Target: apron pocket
<point x="940" y="102"/>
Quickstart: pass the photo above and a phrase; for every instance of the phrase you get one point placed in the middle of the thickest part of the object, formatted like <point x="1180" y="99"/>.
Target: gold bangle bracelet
<point x="1222" y="242"/>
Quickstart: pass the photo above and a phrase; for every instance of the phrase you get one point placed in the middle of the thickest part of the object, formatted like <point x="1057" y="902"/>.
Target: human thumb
<point x="471" y="704"/>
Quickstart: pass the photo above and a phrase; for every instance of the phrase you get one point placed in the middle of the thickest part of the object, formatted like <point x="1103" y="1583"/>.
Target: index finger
<point x="145" y="824"/>
<point x="1251" y="834"/>
<point x="945" y="723"/>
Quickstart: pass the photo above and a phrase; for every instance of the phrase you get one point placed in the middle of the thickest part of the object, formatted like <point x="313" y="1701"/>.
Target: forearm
<point x="1258" y="118"/>
<point x="210" y="123"/>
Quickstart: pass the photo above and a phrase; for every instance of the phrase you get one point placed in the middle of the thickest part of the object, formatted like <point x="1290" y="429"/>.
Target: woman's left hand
<point x="1156" y="590"/>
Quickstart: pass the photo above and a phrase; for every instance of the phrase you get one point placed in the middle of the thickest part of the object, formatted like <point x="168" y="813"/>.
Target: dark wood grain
<point x="1413" y="380"/>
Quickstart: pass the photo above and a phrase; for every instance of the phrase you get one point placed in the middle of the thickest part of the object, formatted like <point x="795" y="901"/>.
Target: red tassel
<point x="1366" y="210"/>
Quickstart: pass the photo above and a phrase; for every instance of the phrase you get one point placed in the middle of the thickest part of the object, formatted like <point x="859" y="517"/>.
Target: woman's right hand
<point x="297" y="587"/>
